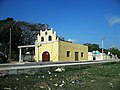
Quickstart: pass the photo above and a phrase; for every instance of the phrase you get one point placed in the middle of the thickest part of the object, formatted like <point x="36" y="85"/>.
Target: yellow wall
<point x="49" y="33"/>
<point x="46" y="45"/>
<point x="52" y="48"/>
<point x="66" y="46"/>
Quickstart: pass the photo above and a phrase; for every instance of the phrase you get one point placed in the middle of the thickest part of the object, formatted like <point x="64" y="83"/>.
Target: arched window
<point x="42" y="39"/>
<point x="45" y="33"/>
<point x="49" y="38"/>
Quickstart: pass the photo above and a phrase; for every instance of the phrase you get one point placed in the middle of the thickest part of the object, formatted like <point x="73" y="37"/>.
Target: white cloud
<point x="112" y="20"/>
<point x="72" y="40"/>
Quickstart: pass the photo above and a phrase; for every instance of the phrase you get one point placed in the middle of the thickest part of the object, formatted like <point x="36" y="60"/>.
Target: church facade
<point x="49" y="47"/>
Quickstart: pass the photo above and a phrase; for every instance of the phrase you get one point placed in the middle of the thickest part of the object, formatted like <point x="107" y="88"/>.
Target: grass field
<point x="93" y="77"/>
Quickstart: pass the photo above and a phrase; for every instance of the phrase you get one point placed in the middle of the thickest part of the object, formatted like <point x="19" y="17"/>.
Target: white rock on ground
<point x="56" y="84"/>
<point x="60" y="69"/>
<point x="49" y="72"/>
<point x="61" y="85"/>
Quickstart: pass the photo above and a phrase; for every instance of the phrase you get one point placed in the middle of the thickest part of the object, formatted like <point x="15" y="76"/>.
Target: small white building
<point x="96" y="55"/>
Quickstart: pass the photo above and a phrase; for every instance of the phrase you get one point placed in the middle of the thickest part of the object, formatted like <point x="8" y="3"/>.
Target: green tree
<point x="115" y="51"/>
<point x="23" y="33"/>
<point x="92" y="47"/>
<point x="95" y="47"/>
<point x="89" y="46"/>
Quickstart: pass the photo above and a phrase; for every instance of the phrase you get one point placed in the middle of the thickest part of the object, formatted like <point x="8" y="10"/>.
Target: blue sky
<point x="83" y="21"/>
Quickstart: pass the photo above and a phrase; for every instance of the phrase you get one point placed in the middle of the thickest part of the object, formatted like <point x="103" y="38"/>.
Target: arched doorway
<point x="94" y="58"/>
<point x="45" y="56"/>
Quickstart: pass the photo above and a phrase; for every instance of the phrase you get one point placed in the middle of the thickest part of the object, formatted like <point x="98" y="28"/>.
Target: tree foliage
<point x="92" y="47"/>
<point x="115" y="51"/>
<point x="23" y="33"/>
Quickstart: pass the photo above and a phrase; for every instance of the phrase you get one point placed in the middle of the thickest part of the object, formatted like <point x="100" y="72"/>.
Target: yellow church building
<point x="49" y="47"/>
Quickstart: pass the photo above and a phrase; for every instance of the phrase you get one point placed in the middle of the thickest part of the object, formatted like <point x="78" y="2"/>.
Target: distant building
<point x="48" y="47"/>
<point x="96" y="55"/>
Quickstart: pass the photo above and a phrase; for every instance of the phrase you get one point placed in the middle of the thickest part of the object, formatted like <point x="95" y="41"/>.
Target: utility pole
<point x="10" y="47"/>
<point x="103" y="48"/>
<point x="9" y="58"/>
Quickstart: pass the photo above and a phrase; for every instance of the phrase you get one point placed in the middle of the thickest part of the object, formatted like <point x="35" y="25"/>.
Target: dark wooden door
<point x="76" y="56"/>
<point x="45" y="56"/>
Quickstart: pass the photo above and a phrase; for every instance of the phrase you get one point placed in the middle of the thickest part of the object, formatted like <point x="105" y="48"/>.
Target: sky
<point x="80" y="21"/>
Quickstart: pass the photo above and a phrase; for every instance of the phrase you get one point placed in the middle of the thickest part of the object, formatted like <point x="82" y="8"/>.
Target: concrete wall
<point x="99" y="56"/>
<point x="72" y="48"/>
